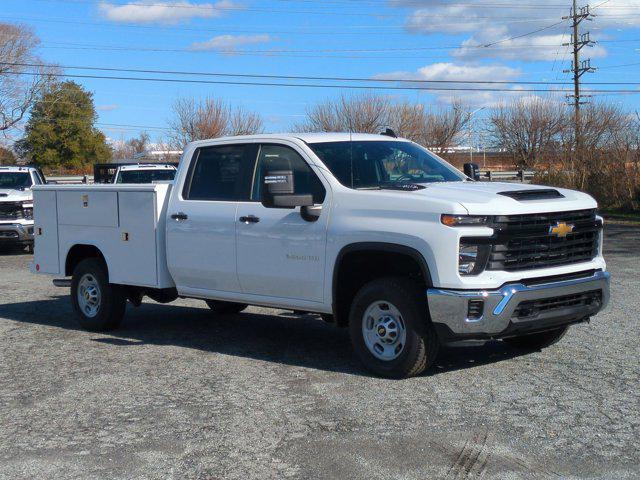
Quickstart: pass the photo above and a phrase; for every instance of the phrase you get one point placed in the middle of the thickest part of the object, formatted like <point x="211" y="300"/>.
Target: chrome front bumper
<point x="449" y="308"/>
<point x="16" y="233"/>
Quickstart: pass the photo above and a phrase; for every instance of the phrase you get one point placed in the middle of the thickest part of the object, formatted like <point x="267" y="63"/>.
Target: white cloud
<point x="106" y="108"/>
<point x="486" y="23"/>
<point x="167" y="12"/>
<point x="445" y="72"/>
<point x="230" y="43"/>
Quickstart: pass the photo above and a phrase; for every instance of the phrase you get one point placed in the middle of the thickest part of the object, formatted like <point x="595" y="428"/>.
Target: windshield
<point x="145" y="176"/>
<point x="382" y="164"/>
<point x="15" y="180"/>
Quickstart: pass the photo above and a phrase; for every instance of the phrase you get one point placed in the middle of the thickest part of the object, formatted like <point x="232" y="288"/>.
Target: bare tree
<point x="130" y="148"/>
<point x="209" y="118"/>
<point x="529" y="129"/>
<point x="21" y="77"/>
<point x="436" y="129"/>
<point x="361" y="114"/>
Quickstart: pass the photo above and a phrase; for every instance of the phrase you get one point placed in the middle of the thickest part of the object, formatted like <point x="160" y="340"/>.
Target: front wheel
<point x="389" y="328"/>
<point x="99" y="305"/>
<point x="537" y="341"/>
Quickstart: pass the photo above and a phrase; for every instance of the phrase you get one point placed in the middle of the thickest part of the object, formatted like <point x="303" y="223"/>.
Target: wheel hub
<point x="89" y="295"/>
<point x="383" y="330"/>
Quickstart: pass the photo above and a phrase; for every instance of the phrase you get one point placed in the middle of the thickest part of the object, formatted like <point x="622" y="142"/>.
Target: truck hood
<point x="10" y="195"/>
<point x="484" y="198"/>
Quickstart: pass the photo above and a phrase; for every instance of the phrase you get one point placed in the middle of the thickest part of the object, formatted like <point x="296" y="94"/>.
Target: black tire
<point x="30" y="248"/>
<point x="421" y="342"/>
<point x="112" y="300"/>
<point x="537" y="341"/>
<point x="224" y="308"/>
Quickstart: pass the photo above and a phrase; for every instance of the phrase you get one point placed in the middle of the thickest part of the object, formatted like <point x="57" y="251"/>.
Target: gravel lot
<point x="179" y="393"/>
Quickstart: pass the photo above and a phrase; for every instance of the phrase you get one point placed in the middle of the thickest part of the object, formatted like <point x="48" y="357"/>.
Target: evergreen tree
<point x="60" y="132"/>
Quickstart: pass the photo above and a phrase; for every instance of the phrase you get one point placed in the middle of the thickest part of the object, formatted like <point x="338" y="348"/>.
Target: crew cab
<point x="16" y="204"/>
<point x="144" y="173"/>
<point x="374" y="233"/>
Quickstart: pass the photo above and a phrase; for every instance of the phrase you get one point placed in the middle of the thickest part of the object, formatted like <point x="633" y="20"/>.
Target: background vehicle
<point x="145" y="173"/>
<point x="374" y="233"/>
<point x="16" y="204"/>
<point x="107" y="172"/>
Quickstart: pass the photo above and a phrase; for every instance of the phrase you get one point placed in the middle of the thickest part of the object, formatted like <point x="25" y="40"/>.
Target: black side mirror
<point x="472" y="171"/>
<point x="278" y="191"/>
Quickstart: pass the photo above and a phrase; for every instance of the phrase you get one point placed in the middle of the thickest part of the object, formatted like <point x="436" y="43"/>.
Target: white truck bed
<point x="126" y="222"/>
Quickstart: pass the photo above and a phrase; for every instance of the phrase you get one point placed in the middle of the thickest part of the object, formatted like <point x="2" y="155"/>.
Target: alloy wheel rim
<point x="89" y="295"/>
<point x="384" y="330"/>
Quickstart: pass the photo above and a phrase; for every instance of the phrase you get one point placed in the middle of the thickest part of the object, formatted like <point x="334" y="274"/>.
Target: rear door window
<point x="221" y="172"/>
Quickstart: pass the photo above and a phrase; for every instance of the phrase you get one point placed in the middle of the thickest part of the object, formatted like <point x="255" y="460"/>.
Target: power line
<point x="225" y="8"/>
<point x="312" y="85"/>
<point x="303" y="77"/>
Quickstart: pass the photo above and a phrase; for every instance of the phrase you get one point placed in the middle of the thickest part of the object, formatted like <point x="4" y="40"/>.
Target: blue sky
<point x="416" y="39"/>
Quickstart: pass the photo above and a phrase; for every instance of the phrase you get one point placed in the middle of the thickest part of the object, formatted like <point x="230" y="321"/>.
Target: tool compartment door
<point x="45" y="211"/>
<point x="137" y="251"/>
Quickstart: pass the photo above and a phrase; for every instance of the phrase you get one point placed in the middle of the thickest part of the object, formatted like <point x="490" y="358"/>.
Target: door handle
<point x="249" y="219"/>
<point x="179" y="216"/>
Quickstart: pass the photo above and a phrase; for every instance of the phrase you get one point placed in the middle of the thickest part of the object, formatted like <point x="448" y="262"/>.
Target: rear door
<point x="280" y="254"/>
<point x="201" y="222"/>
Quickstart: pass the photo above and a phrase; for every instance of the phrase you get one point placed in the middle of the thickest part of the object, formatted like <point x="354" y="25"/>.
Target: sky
<point x="448" y="41"/>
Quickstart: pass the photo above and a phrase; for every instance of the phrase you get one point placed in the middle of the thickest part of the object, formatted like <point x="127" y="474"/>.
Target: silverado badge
<point x="560" y="229"/>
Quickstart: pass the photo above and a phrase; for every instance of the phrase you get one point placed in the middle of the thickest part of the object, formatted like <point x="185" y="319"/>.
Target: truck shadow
<point x="297" y="340"/>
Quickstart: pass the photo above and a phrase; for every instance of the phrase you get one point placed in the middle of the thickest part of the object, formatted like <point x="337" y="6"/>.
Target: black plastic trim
<point x="372" y="246"/>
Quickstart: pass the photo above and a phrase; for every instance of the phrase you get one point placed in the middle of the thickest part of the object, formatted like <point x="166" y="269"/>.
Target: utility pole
<point x="578" y="67"/>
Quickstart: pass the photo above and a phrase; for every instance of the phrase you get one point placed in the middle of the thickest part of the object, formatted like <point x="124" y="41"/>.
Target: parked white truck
<point x="144" y="173"/>
<point x="375" y="233"/>
<point x="16" y="204"/>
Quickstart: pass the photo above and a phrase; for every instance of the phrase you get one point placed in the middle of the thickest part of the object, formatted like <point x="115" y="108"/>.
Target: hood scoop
<point x="537" y="194"/>
<point x="4" y="195"/>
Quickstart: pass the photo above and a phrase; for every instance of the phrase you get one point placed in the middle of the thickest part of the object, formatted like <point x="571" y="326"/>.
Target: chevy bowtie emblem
<point x="560" y="229"/>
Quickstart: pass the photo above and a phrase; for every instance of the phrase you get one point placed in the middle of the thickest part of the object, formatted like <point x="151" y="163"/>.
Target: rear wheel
<point x="389" y="328"/>
<point x="225" y="307"/>
<point x="99" y="305"/>
<point x="537" y="341"/>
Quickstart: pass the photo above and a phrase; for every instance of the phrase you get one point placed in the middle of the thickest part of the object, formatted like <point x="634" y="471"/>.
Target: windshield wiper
<point x="404" y="186"/>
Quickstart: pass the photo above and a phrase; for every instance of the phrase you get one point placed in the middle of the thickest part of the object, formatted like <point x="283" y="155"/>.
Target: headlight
<point x="473" y="255"/>
<point x="464" y="220"/>
<point x="27" y="210"/>
<point x="467" y="259"/>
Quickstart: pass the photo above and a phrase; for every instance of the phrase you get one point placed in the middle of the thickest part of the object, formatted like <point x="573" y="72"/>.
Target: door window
<point x="219" y="173"/>
<point x="279" y="157"/>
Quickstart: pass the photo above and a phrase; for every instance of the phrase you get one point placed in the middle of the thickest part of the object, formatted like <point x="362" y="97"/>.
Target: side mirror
<point x="278" y="191"/>
<point x="472" y="171"/>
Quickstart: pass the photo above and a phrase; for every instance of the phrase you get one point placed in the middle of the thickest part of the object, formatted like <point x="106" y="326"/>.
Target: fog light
<point x="475" y="309"/>
<point x="467" y="257"/>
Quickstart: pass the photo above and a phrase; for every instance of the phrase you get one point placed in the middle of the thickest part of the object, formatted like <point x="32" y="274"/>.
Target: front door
<point x="201" y="223"/>
<point x="280" y="254"/>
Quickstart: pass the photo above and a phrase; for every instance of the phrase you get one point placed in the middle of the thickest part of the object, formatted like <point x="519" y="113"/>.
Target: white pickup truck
<point x="144" y="173"/>
<point x="374" y="233"/>
<point x="16" y="204"/>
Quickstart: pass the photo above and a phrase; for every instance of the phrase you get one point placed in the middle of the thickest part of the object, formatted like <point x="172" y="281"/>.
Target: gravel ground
<point x="179" y="393"/>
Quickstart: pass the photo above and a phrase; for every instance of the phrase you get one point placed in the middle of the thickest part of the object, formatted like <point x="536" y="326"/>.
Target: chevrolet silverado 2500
<point x="16" y="205"/>
<point x="374" y="233"/>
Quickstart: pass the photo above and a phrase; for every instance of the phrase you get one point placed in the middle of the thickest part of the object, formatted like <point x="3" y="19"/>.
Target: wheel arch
<point x="403" y="259"/>
<point x="81" y="251"/>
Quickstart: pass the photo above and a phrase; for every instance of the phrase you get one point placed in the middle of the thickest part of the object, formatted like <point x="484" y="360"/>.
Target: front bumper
<point x="513" y="309"/>
<point x="16" y="233"/>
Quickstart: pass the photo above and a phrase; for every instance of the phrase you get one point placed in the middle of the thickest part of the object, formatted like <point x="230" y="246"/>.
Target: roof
<point x="15" y="168"/>
<point x="148" y="166"/>
<point x="311" y="137"/>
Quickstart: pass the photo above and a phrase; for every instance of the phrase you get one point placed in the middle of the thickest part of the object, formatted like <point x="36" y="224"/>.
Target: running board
<point x="62" y="282"/>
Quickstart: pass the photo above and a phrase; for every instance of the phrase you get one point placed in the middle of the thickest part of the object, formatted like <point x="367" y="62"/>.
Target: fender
<point x="381" y="246"/>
